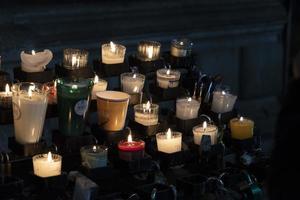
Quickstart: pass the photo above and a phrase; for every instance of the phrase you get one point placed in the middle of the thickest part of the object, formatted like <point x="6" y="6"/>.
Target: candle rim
<point x="103" y="95"/>
<point x="55" y="157"/>
<point x="163" y="135"/>
<point x="210" y="128"/>
<point x="99" y="148"/>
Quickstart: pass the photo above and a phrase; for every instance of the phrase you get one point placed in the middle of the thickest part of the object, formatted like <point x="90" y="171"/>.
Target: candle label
<point x="16" y="111"/>
<point x="81" y="107"/>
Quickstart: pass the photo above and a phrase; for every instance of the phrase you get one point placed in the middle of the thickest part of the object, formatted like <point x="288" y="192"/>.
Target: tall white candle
<point x="205" y="129"/>
<point x="113" y="53"/>
<point x="169" y="142"/>
<point x="223" y="102"/>
<point x="132" y="83"/>
<point x="100" y="85"/>
<point x="47" y="165"/>
<point x="187" y="108"/>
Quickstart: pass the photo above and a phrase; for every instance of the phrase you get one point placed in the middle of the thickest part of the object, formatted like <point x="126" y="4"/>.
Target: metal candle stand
<point x="26" y="149"/>
<point x="145" y="131"/>
<point x="145" y="66"/>
<point x="107" y="70"/>
<point x="101" y="173"/>
<point x="157" y="191"/>
<point x="166" y="94"/>
<point x="193" y="186"/>
<point x="84" y="72"/>
<point x="180" y="62"/>
<point x="6" y="115"/>
<point x="38" y="77"/>
<point x="186" y="126"/>
<point x="11" y="187"/>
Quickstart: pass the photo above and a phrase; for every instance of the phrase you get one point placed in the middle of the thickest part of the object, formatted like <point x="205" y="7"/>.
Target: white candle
<point x="149" y="50"/>
<point x="47" y="165"/>
<point x="223" y="102"/>
<point x="132" y="83"/>
<point x="113" y="53"/>
<point x="187" y="108"/>
<point x="29" y="110"/>
<point x="169" y="142"/>
<point x="5" y="97"/>
<point x="100" y="85"/>
<point x="205" y="129"/>
<point x="167" y="78"/>
<point x="146" y="114"/>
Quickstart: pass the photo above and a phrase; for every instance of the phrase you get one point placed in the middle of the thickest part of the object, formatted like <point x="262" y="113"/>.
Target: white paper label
<point x="81" y="107"/>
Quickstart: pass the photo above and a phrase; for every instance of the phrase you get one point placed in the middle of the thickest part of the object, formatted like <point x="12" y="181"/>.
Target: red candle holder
<point x="131" y="150"/>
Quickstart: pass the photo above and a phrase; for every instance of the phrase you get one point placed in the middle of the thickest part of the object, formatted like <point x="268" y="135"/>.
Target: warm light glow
<point x="7" y="89"/>
<point x="189" y="99"/>
<point x="74" y="60"/>
<point x="74" y="87"/>
<point x="241" y="119"/>
<point x="55" y="83"/>
<point x="30" y="89"/>
<point x="181" y="43"/>
<point x="168" y="72"/>
<point x="112" y="47"/>
<point x="135" y="89"/>
<point x="134" y="76"/>
<point x="94" y="148"/>
<point x="129" y="139"/>
<point x="149" y="51"/>
<point x="223" y="92"/>
<point x="148" y="105"/>
<point x="32" y="52"/>
<point x="96" y="79"/>
<point x="204" y="126"/>
<point x="169" y="134"/>
<point x="50" y="157"/>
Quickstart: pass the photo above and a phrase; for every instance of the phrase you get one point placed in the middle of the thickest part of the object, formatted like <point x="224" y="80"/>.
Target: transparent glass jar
<point x="75" y="58"/>
<point x="146" y="114"/>
<point x="181" y="47"/>
<point x="149" y="50"/>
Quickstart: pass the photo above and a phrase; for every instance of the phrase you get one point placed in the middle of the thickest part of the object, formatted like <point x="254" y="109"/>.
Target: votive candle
<point x="241" y="128"/>
<point x="205" y="129"/>
<point x="169" y="142"/>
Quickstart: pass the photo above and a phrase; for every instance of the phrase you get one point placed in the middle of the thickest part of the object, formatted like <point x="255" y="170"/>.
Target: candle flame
<point x="7" y="89"/>
<point x="148" y="105"/>
<point x="241" y="119"/>
<point x="169" y="134"/>
<point x="134" y="75"/>
<point x="112" y="47"/>
<point x="30" y="89"/>
<point x="189" y="99"/>
<point x="32" y="52"/>
<point x="50" y="157"/>
<point x="149" y="51"/>
<point x="223" y="92"/>
<point x="181" y="43"/>
<point x="168" y="72"/>
<point x="55" y="83"/>
<point x="74" y="60"/>
<point x="204" y="126"/>
<point x="129" y="139"/>
<point x="94" y="148"/>
<point x="96" y="79"/>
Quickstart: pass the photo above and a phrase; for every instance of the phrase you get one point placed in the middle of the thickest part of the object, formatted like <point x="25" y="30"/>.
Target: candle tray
<point x="193" y="186"/>
<point x="166" y="94"/>
<point x="4" y="79"/>
<point x="6" y="115"/>
<point x="186" y="126"/>
<point x="27" y="149"/>
<point x="85" y="72"/>
<point x="180" y="62"/>
<point x="109" y="138"/>
<point x="168" y="160"/>
<point x="155" y="191"/>
<point x="243" y="145"/>
<point x="11" y="187"/>
<point x="145" y="67"/>
<point x="106" y="174"/>
<point x="107" y="70"/>
<point x="145" y="131"/>
<point x="39" y="77"/>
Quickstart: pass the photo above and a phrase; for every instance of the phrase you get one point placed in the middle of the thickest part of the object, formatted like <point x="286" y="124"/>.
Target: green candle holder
<point x="73" y="99"/>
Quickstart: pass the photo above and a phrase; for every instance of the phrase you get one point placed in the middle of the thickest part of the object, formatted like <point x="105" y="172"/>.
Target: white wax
<point x="147" y="119"/>
<point x="169" y="145"/>
<point x="165" y="80"/>
<point x="29" y="115"/>
<point x="42" y="167"/>
<point x="132" y="85"/>
<point x="113" y="57"/>
<point x="211" y="130"/>
<point x="223" y="102"/>
<point x="99" y="87"/>
<point x="187" y="109"/>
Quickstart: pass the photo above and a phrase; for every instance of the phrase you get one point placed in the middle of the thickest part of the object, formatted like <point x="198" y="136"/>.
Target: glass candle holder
<point x="181" y="47"/>
<point x="187" y="108"/>
<point x="148" y="50"/>
<point x="94" y="156"/>
<point x="223" y="102"/>
<point x="52" y="97"/>
<point x="6" y="98"/>
<point x="112" y="109"/>
<point x="169" y="142"/>
<point x="30" y="102"/>
<point x="131" y="149"/>
<point x="113" y="53"/>
<point x="47" y="165"/>
<point x="100" y="85"/>
<point x="205" y="129"/>
<point x="146" y="114"/>
<point x="75" y="59"/>
<point x="73" y="98"/>
<point x="241" y="128"/>
<point x="167" y="78"/>
<point x="132" y="83"/>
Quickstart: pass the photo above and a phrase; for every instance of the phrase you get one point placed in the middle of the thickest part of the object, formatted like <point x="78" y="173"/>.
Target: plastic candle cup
<point x="146" y="114"/>
<point x="6" y="98"/>
<point x="94" y="156"/>
<point x="75" y="58"/>
<point x="187" y="108"/>
<point x="223" y="102"/>
<point x="47" y="165"/>
<point x="149" y="50"/>
<point x="181" y="47"/>
<point x="52" y="97"/>
<point x="132" y="83"/>
<point x="100" y="85"/>
<point x="167" y="78"/>
<point x="205" y="129"/>
<point x="30" y="102"/>
<point x="112" y="109"/>
<point x="73" y="98"/>
<point x="241" y="128"/>
<point x="113" y="53"/>
<point x="131" y="149"/>
<point x="169" y="142"/>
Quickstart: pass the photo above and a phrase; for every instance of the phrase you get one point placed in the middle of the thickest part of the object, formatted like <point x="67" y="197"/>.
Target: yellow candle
<point x="47" y="165"/>
<point x="241" y="128"/>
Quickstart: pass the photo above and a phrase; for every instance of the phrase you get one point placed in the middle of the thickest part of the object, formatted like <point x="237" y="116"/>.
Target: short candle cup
<point x="131" y="150"/>
<point x="187" y="108"/>
<point x="169" y="142"/>
<point x="149" y="50"/>
<point x="181" y="47"/>
<point x="47" y="165"/>
<point x="30" y="102"/>
<point x="94" y="156"/>
<point x="75" y="59"/>
<point x="146" y="114"/>
<point x="112" y="109"/>
<point x="35" y="61"/>
<point x="113" y="53"/>
<point x="52" y="97"/>
<point x="241" y="128"/>
<point x="223" y="102"/>
<point x="132" y="83"/>
<point x="167" y="78"/>
<point x="100" y="85"/>
<point x="208" y="129"/>
<point x="6" y="98"/>
<point x="73" y="99"/>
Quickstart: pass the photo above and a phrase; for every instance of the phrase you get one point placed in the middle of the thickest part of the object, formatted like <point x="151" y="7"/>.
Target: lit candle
<point x="167" y="78"/>
<point x="205" y="129"/>
<point x="169" y="142"/>
<point x="181" y="47"/>
<point x="75" y="58"/>
<point x="94" y="156"/>
<point x="132" y="83"/>
<point x="113" y="53"/>
<point x="5" y="97"/>
<point x="149" y="50"/>
<point x="47" y="165"/>
<point x="187" y="108"/>
<point x="100" y="85"/>
<point x="29" y="109"/>
<point x="131" y="149"/>
<point x="146" y="114"/>
<point x="241" y="128"/>
<point x="35" y="61"/>
<point x="223" y="102"/>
